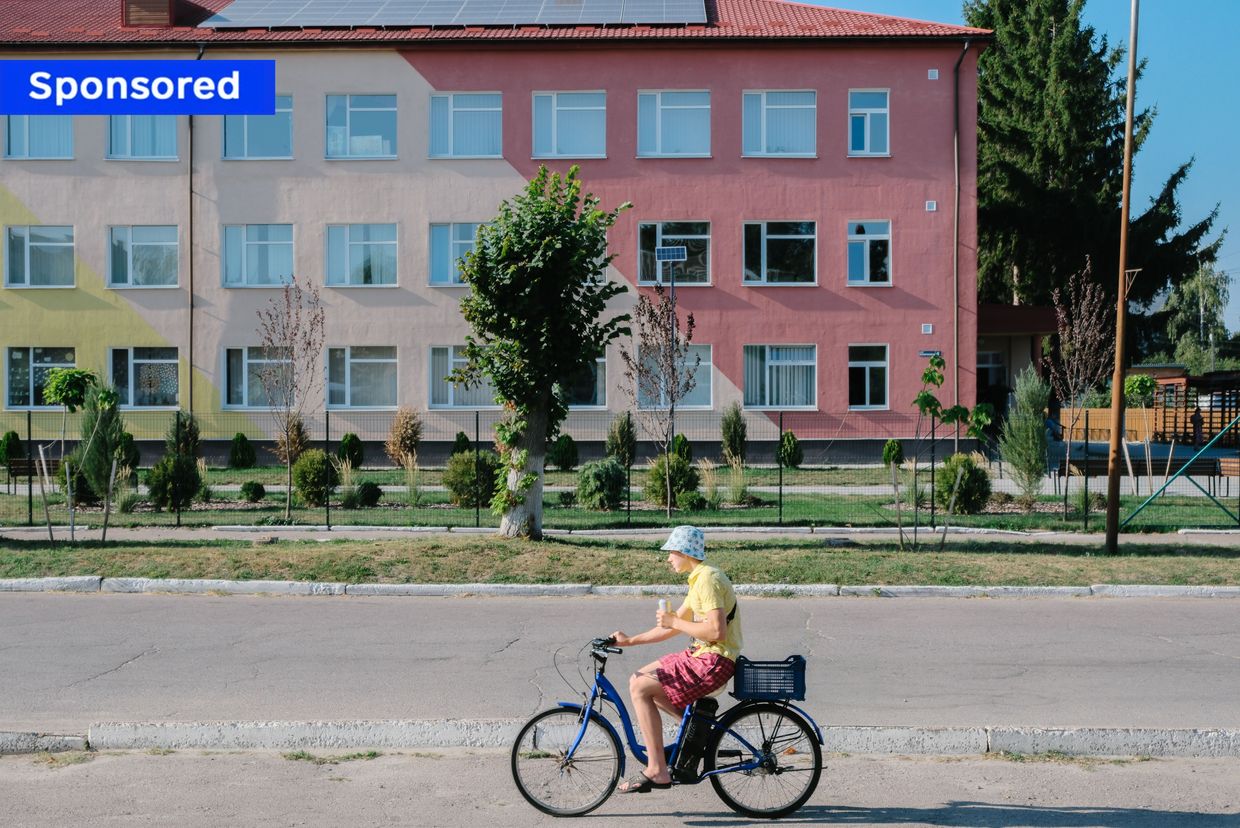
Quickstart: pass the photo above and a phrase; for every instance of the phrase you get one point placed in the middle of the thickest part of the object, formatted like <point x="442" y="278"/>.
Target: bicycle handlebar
<point x="605" y="645"/>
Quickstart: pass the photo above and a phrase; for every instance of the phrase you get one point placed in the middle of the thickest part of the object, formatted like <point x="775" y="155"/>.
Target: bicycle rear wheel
<point x="779" y="753"/>
<point x="558" y="785"/>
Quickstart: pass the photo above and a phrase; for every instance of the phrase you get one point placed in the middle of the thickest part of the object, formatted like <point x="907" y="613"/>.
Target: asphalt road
<point x="69" y="660"/>
<point x="471" y="788"/>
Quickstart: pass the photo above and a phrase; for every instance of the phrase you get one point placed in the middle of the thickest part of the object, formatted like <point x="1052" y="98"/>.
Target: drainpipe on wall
<point x="189" y="151"/>
<point x="956" y="237"/>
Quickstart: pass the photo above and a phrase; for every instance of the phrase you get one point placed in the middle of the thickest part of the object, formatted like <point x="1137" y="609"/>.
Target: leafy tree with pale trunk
<point x="538" y="293"/>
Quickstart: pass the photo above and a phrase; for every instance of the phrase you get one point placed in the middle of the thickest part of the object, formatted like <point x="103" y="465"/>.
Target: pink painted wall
<point x="728" y="189"/>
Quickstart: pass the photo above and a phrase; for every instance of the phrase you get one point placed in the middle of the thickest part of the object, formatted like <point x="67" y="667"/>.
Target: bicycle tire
<point x="537" y="762"/>
<point x="774" y="789"/>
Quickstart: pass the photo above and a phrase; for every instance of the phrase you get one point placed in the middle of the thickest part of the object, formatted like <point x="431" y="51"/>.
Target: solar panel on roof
<point x="266" y="14"/>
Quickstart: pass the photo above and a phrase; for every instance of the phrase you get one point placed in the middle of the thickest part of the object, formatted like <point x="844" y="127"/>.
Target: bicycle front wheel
<point x="551" y="780"/>
<point x="770" y="758"/>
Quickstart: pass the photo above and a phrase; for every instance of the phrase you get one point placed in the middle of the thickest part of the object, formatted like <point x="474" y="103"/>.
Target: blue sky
<point x="1192" y="67"/>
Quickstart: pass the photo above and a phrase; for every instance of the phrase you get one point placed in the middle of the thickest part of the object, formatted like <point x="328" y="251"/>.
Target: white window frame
<point x="245" y="242"/>
<point x="867" y="365"/>
<point x="30" y="377"/>
<point x="554" y="126"/>
<point x="245" y="134"/>
<point x="8" y="265"/>
<point x="349" y="243"/>
<point x="867" y="112"/>
<point x="128" y="403"/>
<point x="349" y="359"/>
<point x="451" y="97"/>
<point x="8" y="153"/>
<point x="764" y="281"/>
<point x="705" y="366"/>
<point x="865" y="265"/>
<point x="348" y="155"/>
<point x="247" y="404"/>
<point x="127" y="155"/>
<point x="129" y="244"/>
<point x="658" y="123"/>
<point x="601" y="365"/>
<point x="453" y="361"/>
<point x="764" y="107"/>
<point x="454" y="244"/>
<point x="767" y="368"/>
<point x="660" y="275"/>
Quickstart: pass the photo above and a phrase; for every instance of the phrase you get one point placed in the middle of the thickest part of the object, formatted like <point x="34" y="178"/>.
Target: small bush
<point x="563" y="453"/>
<point x="368" y="493"/>
<point x="622" y="440"/>
<point x="127" y="453"/>
<point x="893" y="453"/>
<point x="173" y="481"/>
<point x="11" y="447"/>
<point x="128" y="502"/>
<point x="205" y="494"/>
<point x="600" y="485"/>
<point x="458" y="478"/>
<point x="974" y="488"/>
<point x="684" y="478"/>
<point x="351" y="449"/>
<point x="297" y="441"/>
<point x="690" y="502"/>
<point x="791" y="454"/>
<point x="252" y="491"/>
<point x="681" y="448"/>
<point x="567" y="500"/>
<point x="83" y="493"/>
<point x="182" y="436"/>
<point x="241" y="454"/>
<point x="404" y="436"/>
<point x="314" y="477"/>
<point x="349" y="499"/>
<point x="1001" y="499"/>
<point x="462" y="444"/>
<point x="733" y="432"/>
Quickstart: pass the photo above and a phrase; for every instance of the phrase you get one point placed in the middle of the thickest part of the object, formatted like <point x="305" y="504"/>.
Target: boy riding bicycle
<point x="708" y="615"/>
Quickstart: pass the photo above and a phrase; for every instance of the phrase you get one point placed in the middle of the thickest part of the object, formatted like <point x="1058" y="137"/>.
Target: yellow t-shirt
<point x="710" y="589"/>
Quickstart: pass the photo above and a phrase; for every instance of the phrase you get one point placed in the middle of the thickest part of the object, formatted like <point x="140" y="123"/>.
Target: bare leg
<point x="648" y="697"/>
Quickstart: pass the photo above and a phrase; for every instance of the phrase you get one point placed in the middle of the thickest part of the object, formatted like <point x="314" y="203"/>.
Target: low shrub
<point x="241" y="454"/>
<point x="684" y="478"/>
<point x="83" y="493"/>
<point x="600" y="485"/>
<point x="974" y="488"/>
<point x="621" y="440"/>
<point x="462" y="443"/>
<point x="11" y="447"/>
<point x="563" y="453"/>
<point x="690" y="502"/>
<point x="733" y="433"/>
<point x="128" y="502"/>
<point x="368" y="493"/>
<point x="173" y="481"/>
<point x="568" y="500"/>
<point x="893" y="453"/>
<point x="252" y="491"/>
<point x="791" y="455"/>
<point x="349" y="499"/>
<point x="182" y="436"/>
<point x="459" y="478"/>
<point x="314" y="477"/>
<point x="351" y="449"/>
<point x="682" y="448"/>
<point x="204" y="494"/>
<point x="404" y="436"/>
<point x="127" y="452"/>
<point x="1001" y="499"/>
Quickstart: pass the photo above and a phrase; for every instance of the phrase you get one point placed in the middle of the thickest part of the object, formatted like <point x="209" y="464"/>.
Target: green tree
<point x="537" y="280"/>
<point x="68" y="387"/>
<point x="1193" y="317"/>
<point x="1022" y="441"/>
<point x="1051" y="99"/>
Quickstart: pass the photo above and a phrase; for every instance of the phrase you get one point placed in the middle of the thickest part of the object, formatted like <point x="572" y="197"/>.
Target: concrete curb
<point x="468" y="589"/>
<point x="199" y="586"/>
<point x="499" y="733"/>
<point x="16" y="742"/>
<point x="79" y="583"/>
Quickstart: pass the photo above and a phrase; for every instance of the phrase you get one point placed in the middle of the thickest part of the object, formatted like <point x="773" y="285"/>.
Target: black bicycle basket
<point x="770" y="680"/>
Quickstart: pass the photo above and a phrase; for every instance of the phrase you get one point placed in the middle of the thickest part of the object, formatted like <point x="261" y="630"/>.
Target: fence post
<point x="628" y="472"/>
<point x="1085" y="503"/>
<point x="176" y="436"/>
<point x="29" y="472"/>
<point x="327" y="449"/>
<point x="933" y="438"/>
<point x="477" y="472"/>
<point x="779" y="461"/>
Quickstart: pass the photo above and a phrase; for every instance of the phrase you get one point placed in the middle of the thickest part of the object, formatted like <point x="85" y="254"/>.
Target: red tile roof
<point x="32" y="23"/>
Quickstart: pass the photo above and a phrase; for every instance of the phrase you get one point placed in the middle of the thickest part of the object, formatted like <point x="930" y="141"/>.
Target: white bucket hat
<point x="689" y="541"/>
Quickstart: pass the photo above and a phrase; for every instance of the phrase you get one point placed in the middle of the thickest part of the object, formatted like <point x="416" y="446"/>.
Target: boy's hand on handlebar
<point x="620" y="639"/>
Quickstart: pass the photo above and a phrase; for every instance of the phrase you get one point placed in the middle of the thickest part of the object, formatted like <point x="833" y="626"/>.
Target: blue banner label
<point x="137" y="87"/>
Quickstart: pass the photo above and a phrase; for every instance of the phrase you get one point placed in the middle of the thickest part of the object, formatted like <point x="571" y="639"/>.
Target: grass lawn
<point x="488" y="559"/>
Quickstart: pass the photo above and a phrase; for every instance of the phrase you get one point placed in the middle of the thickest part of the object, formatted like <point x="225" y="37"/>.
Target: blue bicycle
<point x="763" y="756"/>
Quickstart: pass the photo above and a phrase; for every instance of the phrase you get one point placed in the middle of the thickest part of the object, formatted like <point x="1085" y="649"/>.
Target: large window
<point x="445" y="394"/>
<point x="361" y="254"/>
<point x="780" y="123"/>
<point x="143" y="256"/>
<point x="244" y="369"/>
<point x="467" y="125"/>
<point x="867" y="122"/>
<point x="361" y="377"/>
<point x="27" y="374"/>
<point x="780" y="252"/>
<point x="589" y="388"/>
<point x="39" y="136"/>
<point x="449" y="242"/>
<point x="699" y="397"/>
<point x="261" y="136"/>
<point x="39" y="256"/>
<point x="869" y="253"/>
<point x="361" y="126"/>
<point x="673" y="123"/>
<point x="570" y="124"/>
<point x="991" y="370"/>
<point x="867" y="376"/>
<point x="781" y="376"/>
<point x="142" y="137"/>
<point x="693" y="235"/>
<point x="145" y="377"/>
<point x="258" y="255"/>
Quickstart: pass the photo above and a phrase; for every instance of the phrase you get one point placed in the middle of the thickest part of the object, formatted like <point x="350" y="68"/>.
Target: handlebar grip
<point x="614" y="650"/>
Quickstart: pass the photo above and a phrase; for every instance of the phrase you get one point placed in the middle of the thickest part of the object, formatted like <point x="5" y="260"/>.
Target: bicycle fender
<point x="605" y="723"/>
<point x="800" y="712"/>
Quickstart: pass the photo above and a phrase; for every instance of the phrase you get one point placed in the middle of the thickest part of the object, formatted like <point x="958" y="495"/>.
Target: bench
<point x="1207" y="467"/>
<point x="19" y="468"/>
<point x="1228" y="467"/>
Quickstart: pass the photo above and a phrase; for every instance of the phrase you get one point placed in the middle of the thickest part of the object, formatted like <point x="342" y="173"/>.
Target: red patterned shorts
<point x="686" y="679"/>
